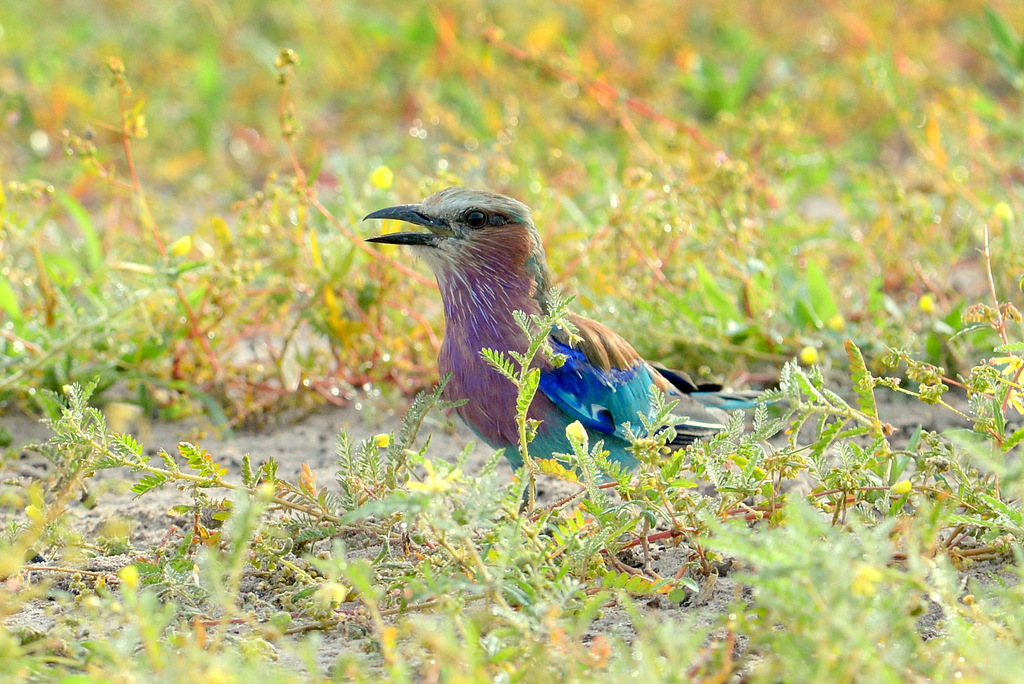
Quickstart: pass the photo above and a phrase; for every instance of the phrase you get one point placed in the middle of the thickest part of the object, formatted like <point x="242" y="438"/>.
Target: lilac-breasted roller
<point x="489" y="261"/>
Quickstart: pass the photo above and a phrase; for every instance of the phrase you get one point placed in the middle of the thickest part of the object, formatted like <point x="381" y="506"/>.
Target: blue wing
<point x="604" y="383"/>
<point x="601" y="399"/>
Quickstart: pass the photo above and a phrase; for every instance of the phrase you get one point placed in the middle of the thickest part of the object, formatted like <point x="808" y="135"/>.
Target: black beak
<point x="410" y="213"/>
<point x="415" y="239"/>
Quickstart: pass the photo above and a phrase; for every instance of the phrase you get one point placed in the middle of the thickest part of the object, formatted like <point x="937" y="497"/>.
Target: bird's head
<point x="472" y="235"/>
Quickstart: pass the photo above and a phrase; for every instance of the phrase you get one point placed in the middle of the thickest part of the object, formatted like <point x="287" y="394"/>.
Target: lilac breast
<point x="478" y="315"/>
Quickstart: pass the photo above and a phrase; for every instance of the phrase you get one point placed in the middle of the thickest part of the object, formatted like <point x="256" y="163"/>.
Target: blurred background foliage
<point x="729" y="184"/>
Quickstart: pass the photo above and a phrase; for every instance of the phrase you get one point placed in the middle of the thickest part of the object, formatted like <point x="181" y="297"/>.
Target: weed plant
<point x="736" y="203"/>
<point x="449" y="574"/>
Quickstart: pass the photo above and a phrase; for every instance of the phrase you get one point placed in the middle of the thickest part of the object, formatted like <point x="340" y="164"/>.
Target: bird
<point x="489" y="261"/>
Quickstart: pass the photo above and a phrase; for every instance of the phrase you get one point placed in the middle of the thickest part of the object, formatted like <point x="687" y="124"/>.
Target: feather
<point x="604" y="384"/>
<point x="601" y="399"/>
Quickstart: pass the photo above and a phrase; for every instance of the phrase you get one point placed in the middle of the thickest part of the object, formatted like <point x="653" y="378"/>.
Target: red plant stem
<point x="147" y="218"/>
<point x="561" y="502"/>
<point x="140" y="196"/>
<point x="311" y="197"/>
<point x="574" y="264"/>
<point x="607" y="94"/>
<point x="598" y="88"/>
<point x="658" y="536"/>
<point x="419" y="318"/>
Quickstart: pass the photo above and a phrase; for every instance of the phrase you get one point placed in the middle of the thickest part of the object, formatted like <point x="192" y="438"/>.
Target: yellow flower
<point x="217" y="675"/>
<point x="836" y="322"/>
<point x="1003" y="211"/>
<point x="381" y="177"/>
<point x="576" y="433"/>
<point x="35" y="514"/>
<point x="809" y="356"/>
<point x="926" y="303"/>
<point x="331" y="594"/>
<point x="866" y="579"/>
<point x="382" y="440"/>
<point x="1017" y="401"/>
<point x="137" y="126"/>
<point x="180" y="247"/>
<point x="389" y="638"/>
<point x="433" y="483"/>
<point x="129" y="574"/>
<point x="901" y="487"/>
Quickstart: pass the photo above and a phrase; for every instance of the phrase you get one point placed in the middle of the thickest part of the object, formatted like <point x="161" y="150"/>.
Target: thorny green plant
<point x="435" y="572"/>
<point x="526" y="376"/>
<point x="406" y="533"/>
<point x="469" y="538"/>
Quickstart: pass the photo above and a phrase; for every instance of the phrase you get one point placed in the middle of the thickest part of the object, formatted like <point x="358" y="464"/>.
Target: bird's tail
<point x="707" y="413"/>
<point x="705" y="406"/>
<point x="708" y="395"/>
<point x="729" y="401"/>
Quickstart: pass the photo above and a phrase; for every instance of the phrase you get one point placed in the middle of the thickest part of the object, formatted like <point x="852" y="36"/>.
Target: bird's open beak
<point x="411" y="213"/>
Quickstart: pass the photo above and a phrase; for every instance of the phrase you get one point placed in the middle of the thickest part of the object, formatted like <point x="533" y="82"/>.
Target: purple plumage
<point x="475" y="294"/>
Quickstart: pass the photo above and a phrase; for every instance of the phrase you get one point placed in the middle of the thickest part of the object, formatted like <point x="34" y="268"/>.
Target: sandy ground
<point x="310" y="439"/>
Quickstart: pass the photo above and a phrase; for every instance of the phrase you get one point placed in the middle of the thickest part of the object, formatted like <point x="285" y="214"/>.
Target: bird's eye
<point x="476" y="219"/>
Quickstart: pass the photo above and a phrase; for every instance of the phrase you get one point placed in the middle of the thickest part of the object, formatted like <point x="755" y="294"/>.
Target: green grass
<point x="731" y="186"/>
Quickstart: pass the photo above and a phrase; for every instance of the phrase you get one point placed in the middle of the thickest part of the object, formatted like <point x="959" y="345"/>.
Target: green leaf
<point x="898" y="503"/>
<point x="1014" y="439"/>
<point x="1007" y="512"/>
<point x="803" y="315"/>
<point x="92" y="245"/>
<point x="314" y="170"/>
<point x="826" y="437"/>
<point x="820" y="292"/>
<point x="718" y="301"/>
<point x="500" y="363"/>
<point x="147" y="483"/>
<point x="9" y="301"/>
<point x="863" y="385"/>
<point x="529" y="389"/>
<point x="248" y="476"/>
<point x="1001" y="32"/>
